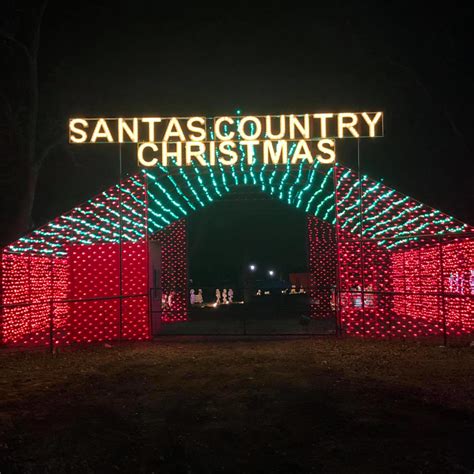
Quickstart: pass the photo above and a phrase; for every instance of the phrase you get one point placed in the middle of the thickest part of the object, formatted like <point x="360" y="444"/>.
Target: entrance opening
<point x="249" y="271"/>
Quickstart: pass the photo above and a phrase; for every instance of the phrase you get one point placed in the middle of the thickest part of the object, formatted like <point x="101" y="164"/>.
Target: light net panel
<point x="174" y="271"/>
<point x="322" y="268"/>
<point x="67" y="281"/>
<point x="397" y="258"/>
<point x="405" y="270"/>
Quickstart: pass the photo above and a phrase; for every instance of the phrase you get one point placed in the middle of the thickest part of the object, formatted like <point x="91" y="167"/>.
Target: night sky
<point x="137" y="58"/>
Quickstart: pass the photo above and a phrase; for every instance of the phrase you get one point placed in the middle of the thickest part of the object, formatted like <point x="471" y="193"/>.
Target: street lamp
<point x="271" y="272"/>
<point x="252" y="267"/>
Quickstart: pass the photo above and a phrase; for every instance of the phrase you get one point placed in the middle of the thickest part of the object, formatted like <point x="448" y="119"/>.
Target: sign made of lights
<point x="274" y="139"/>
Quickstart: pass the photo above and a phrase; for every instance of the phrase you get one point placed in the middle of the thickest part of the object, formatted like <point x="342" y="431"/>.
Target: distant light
<point x="238" y="111"/>
<point x="252" y="267"/>
<point x="271" y="272"/>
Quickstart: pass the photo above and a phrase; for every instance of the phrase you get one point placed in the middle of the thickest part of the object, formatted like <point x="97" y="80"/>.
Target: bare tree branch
<point x="37" y="35"/>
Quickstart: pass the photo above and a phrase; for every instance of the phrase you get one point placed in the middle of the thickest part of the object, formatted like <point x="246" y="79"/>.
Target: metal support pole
<point x="120" y="244"/>
<point x="187" y="305"/>
<point x="337" y="299"/>
<point x="405" y="294"/>
<point x="51" y="310"/>
<point x="443" y="304"/>
<point x="361" y="248"/>
<point x="147" y="257"/>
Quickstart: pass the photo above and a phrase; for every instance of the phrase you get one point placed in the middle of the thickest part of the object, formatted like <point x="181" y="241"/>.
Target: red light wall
<point x="396" y="266"/>
<point x="434" y="286"/>
<point x="322" y="267"/>
<point x="84" y="276"/>
<point x="28" y="285"/>
<point x="174" y="271"/>
<point x="81" y="278"/>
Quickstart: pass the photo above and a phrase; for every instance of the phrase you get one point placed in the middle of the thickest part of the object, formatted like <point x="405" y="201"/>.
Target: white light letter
<point x="73" y="129"/>
<point x="372" y="123"/>
<point x="302" y="152"/>
<point x="212" y="153"/>
<point x="258" y="128"/>
<point x="102" y="131"/>
<point x="177" y="153"/>
<point x="275" y="155"/>
<point x="330" y="150"/>
<point x="151" y="126"/>
<point x="200" y="130"/>
<point x="268" y="128"/>
<point x="198" y="154"/>
<point x="123" y="127"/>
<point x="323" y="118"/>
<point x="174" y="130"/>
<point x="250" y="150"/>
<point x="296" y="124"/>
<point x="217" y="126"/>
<point x="141" y="159"/>
<point x="228" y="152"/>
<point x="342" y="124"/>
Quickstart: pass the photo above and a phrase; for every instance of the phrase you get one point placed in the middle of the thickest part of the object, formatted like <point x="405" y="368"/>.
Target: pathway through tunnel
<point x="248" y="269"/>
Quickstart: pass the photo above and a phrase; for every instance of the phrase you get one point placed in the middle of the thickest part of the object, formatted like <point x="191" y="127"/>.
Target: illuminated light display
<point x="27" y="283"/>
<point x="228" y="153"/>
<point x="223" y="141"/>
<point x="403" y="269"/>
<point x="395" y="258"/>
<point x="425" y="271"/>
<point x="226" y="128"/>
<point x="174" y="271"/>
<point x="322" y="268"/>
<point x="73" y="279"/>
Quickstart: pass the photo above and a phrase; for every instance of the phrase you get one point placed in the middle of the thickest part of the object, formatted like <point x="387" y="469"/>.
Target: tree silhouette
<point x="23" y="149"/>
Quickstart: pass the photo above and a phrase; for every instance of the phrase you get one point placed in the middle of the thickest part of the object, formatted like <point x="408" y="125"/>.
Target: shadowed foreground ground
<point x="305" y="405"/>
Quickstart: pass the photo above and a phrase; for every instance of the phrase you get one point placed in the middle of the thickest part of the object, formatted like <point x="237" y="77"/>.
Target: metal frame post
<point x="120" y="245"/>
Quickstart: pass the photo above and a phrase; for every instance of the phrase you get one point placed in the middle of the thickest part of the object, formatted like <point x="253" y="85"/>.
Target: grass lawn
<point x="192" y="406"/>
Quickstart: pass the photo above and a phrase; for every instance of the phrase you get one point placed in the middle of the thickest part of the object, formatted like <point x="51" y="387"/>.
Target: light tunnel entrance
<point x="400" y="268"/>
<point x="277" y="277"/>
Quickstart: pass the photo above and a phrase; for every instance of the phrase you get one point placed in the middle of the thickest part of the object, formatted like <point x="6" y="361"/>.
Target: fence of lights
<point x="402" y="268"/>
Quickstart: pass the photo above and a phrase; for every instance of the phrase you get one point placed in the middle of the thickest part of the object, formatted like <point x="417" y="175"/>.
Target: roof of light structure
<point x="174" y="193"/>
<point x="118" y="211"/>
<point x="386" y="214"/>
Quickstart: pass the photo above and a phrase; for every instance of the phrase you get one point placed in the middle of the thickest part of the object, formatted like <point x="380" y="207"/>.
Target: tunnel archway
<point x="261" y="252"/>
<point x="403" y="268"/>
<point x="310" y="190"/>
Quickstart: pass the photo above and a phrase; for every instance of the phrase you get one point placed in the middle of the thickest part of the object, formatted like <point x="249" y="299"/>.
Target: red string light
<point x="174" y="271"/>
<point x="84" y="276"/>
<point x="322" y="267"/>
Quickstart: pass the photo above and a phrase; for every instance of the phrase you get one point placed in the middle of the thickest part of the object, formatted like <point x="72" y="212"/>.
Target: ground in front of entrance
<point x="192" y="406"/>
